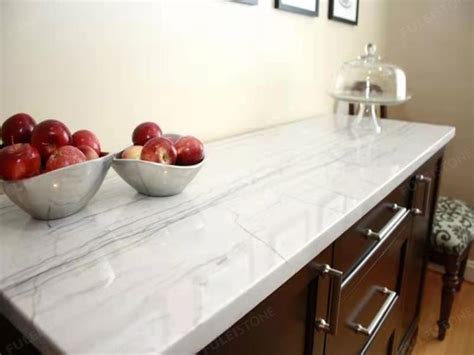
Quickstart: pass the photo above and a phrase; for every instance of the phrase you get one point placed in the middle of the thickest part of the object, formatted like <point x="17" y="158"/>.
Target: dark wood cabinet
<point x="374" y="299"/>
<point x="14" y="342"/>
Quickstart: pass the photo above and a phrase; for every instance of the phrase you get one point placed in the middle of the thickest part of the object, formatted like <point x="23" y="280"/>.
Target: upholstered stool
<point x="451" y="239"/>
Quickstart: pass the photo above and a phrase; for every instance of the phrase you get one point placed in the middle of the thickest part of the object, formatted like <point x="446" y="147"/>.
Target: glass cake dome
<point x="369" y="82"/>
<point x="367" y="79"/>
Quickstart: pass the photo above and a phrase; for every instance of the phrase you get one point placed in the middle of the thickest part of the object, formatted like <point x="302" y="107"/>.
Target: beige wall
<point x="433" y="40"/>
<point x="212" y="68"/>
<point x="2" y="111"/>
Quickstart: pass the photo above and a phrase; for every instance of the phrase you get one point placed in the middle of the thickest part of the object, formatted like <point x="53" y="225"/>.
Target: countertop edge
<point x="32" y="333"/>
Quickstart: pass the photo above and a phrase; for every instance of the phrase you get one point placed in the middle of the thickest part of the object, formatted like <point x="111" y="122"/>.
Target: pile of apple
<point x="150" y="144"/>
<point x="31" y="149"/>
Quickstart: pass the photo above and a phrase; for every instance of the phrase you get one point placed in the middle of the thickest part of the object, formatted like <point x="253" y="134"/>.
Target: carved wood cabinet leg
<point x="450" y="285"/>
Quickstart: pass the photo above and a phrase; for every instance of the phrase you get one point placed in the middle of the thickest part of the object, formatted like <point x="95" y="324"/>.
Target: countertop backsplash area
<point x="212" y="68"/>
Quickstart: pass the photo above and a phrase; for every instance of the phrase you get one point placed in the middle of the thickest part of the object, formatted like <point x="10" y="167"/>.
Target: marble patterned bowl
<point x="154" y="179"/>
<point x="59" y="193"/>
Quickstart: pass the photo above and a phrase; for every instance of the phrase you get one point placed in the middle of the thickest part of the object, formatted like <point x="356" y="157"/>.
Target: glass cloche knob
<point x="370" y="49"/>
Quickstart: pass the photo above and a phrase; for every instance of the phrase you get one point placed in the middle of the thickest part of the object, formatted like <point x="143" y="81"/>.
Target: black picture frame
<point x="247" y="2"/>
<point x="331" y="15"/>
<point x="279" y="5"/>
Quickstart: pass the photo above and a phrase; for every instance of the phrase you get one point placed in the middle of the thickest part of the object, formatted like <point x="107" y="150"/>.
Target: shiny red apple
<point x="18" y="129"/>
<point x="85" y="137"/>
<point x="89" y="152"/>
<point x="133" y="152"/>
<point x="144" y="132"/>
<point x="48" y="136"/>
<point x="159" y="150"/>
<point x="190" y="150"/>
<point x="64" y="156"/>
<point x="19" y="161"/>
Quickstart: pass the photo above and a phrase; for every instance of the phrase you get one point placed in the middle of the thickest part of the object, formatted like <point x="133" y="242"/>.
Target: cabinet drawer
<point x="370" y="306"/>
<point x="354" y="244"/>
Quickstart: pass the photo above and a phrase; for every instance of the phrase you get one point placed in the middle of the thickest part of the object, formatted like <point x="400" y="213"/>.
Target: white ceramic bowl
<point x="59" y="193"/>
<point x="154" y="179"/>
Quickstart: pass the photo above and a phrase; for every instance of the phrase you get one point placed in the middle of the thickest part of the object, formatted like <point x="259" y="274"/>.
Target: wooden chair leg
<point x="352" y="109"/>
<point x="462" y="270"/>
<point x="450" y="285"/>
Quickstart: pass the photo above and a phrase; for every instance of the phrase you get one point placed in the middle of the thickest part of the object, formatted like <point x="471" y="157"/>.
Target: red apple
<point x="89" y="152"/>
<point x="85" y="137"/>
<point x="65" y="156"/>
<point x="172" y="137"/>
<point x="17" y="129"/>
<point x="159" y="150"/>
<point x="133" y="152"/>
<point x="19" y="161"/>
<point x="190" y="150"/>
<point x="48" y="136"/>
<point x="144" y="132"/>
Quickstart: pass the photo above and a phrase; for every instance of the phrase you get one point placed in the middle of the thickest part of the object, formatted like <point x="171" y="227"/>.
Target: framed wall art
<point x="344" y="10"/>
<point x="304" y="7"/>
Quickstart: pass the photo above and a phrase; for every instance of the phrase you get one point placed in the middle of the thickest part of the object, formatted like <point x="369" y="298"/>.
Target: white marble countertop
<point x="132" y="274"/>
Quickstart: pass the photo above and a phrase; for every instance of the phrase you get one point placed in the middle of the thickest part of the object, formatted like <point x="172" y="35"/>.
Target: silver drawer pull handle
<point x="388" y="227"/>
<point x="422" y="178"/>
<point x="385" y="232"/>
<point x="426" y="198"/>
<point x="336" y="275"/>
<point x="369" y="330"/>
<point x="372" y="235"/>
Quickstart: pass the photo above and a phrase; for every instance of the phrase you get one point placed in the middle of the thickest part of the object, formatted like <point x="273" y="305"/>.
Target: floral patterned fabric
<point x="453" y="227"/>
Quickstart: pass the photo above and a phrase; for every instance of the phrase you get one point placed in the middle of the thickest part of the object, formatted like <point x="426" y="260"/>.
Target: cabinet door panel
<point x="383" y="341"/>
<point x="423" y="198"/>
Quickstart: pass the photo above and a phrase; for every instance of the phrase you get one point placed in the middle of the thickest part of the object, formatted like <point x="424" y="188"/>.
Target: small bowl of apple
<point x="159" y="164"/>
<point x="47" y="171"/>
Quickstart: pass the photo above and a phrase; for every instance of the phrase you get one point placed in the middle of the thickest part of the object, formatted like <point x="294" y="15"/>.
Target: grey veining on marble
<point x="134" y="274"/>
